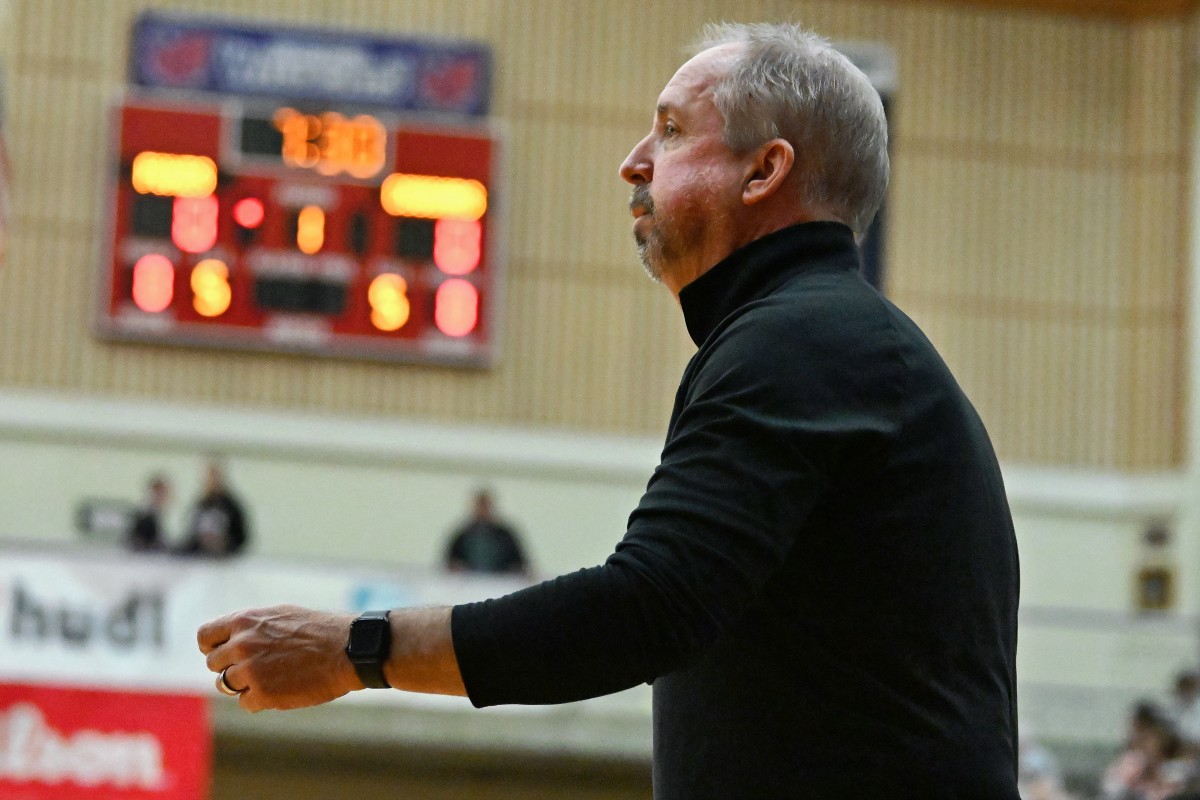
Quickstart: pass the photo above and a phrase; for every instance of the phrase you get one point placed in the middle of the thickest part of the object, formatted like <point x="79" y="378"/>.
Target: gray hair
<point x="792" y="84"/>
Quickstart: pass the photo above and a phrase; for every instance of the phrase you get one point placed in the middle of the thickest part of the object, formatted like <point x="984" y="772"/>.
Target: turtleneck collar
<point x="757" y="269"/>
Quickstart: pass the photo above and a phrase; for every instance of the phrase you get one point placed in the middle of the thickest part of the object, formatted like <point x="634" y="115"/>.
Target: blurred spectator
<point x="1038" y="775"/>
<point x="1152" y="766"/>
<point x="217" y="526"/>
<point x="485" y="544"/>
<point x="146" y="532"/>
<point x="1187" y="710"/>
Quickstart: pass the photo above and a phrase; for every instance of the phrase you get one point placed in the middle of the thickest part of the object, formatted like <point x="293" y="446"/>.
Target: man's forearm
<point x="292" y="657"/>
<point x="422" y="658"/>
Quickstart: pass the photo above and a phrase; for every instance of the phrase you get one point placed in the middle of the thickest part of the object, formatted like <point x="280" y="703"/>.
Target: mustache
<point x="640" y="198"/>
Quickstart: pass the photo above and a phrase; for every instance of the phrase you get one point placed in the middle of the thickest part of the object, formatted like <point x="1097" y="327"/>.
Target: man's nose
<point x="637" y="167"/>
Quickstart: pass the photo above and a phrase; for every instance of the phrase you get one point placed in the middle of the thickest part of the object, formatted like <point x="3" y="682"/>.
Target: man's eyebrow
<point x="664" y="108"/>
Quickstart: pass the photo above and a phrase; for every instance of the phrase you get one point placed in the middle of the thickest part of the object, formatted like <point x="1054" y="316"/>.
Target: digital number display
<point x="314" y="230"/>
<point x="328" y="143"/>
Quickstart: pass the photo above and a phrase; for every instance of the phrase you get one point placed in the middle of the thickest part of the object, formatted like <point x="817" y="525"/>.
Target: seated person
<point x="485" y="544"/>
<point x="1152" y="766"/>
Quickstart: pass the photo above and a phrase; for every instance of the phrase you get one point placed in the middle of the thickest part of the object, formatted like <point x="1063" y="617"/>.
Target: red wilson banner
<point x="83" y="744"/>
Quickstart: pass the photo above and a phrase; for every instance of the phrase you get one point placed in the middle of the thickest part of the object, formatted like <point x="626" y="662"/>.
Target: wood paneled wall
<point x="1039" y="217"/>
<point x="1123" y="9"/>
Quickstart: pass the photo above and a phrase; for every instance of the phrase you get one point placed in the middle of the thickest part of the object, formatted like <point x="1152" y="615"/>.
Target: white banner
<point x="115" y="619"/>
<point x="111" y="620"/>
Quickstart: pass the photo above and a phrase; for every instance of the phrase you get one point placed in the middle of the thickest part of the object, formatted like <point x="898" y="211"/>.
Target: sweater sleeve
<point x="761" y="425"/>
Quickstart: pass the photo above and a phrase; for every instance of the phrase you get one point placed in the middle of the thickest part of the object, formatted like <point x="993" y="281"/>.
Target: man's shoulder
<point x="145" y="520"/>
<point x="812" y="315"/>
<point x="226" y="502"/>
<point x="824" y="340"/>
<point x="827" y="293"/>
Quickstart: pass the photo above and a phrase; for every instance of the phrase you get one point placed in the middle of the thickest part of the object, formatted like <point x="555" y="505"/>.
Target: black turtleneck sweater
<point x="821" y="579"/>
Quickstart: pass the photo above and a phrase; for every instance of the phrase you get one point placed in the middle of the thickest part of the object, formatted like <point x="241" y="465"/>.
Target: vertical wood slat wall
<point x="1038" y="229"/>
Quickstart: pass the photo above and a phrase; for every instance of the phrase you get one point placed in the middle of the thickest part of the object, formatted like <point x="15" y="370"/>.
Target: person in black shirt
<point x="146" y="532"/>
<point x="821" y="579"/>
<point x="217" y="526"/>
<point x="485" y="544"/>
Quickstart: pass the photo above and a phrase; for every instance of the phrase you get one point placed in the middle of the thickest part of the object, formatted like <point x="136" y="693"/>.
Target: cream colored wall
<point x="1038" y="218"/>
<point x="360" y="508"/>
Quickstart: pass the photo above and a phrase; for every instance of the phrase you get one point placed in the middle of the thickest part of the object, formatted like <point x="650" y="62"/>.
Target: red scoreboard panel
<point x="254" y="225"/>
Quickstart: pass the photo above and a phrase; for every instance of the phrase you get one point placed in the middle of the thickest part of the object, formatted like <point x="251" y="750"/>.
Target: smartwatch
<point x="369" y="646"/>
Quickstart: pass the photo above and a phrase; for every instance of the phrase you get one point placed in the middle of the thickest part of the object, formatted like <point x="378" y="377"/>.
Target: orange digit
<point x="390" y="307"/>
<point x="211" y="293"/>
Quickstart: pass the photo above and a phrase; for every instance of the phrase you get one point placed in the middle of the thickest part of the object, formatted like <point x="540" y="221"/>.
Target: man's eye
<point x="669" y="129"/>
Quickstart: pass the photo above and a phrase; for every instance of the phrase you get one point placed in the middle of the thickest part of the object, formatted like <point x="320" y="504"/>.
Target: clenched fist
<point x="281" y="657"/>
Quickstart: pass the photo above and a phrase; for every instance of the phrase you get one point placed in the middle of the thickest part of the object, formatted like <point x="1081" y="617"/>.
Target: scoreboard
<point x="255" y="222"/>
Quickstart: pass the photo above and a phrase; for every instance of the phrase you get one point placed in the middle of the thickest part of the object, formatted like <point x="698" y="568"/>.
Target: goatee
<point x="640" y="199"/>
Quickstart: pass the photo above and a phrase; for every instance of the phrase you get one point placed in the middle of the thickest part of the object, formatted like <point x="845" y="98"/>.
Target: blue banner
<point x="172" y="52"/>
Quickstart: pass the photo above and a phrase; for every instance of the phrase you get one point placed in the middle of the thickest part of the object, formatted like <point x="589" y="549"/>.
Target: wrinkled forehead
<point x="696" y="78"/>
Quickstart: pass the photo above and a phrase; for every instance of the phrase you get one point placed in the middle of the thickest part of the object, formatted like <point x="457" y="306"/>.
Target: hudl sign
<point x="171" y="52"/>
<point x="118" y="621"/>
<point x="136" y="620"/>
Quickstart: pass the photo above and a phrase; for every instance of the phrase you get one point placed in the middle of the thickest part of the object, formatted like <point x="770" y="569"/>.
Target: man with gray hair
<point x="821" y="578"/>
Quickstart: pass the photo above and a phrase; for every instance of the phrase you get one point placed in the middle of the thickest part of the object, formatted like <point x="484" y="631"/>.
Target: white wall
<point x="1085" y="654"/>
<point x="359" y="490"/>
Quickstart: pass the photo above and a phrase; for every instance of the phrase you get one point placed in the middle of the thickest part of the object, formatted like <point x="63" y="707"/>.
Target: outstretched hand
<point x="281" y="657"/>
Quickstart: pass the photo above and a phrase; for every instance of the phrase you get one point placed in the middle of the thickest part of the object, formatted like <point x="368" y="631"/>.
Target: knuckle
<point x="251" y="673"/>
<point x="208" y="636"/>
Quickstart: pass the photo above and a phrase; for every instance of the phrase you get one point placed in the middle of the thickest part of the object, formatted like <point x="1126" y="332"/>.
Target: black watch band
<point x="369" y="646"/>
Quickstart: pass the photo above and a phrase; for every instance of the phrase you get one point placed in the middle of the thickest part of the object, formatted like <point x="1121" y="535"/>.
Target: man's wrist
<point x="368" y="647"/>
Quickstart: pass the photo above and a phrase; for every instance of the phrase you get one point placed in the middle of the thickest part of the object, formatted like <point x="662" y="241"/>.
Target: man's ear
<point x="769" y="168"/>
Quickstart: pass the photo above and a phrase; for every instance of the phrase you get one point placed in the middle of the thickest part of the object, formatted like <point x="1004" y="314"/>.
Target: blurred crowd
<point x="216" y="526"/>
<point x="1159" y="759"/>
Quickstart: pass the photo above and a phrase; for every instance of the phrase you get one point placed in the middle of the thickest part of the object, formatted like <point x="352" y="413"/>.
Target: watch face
<point x="367" y="637"/>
